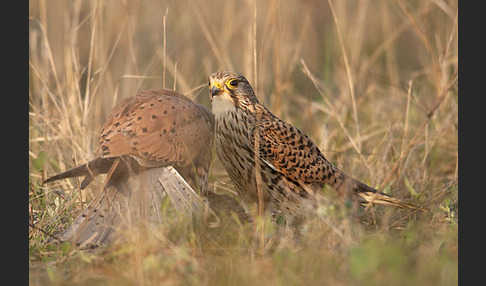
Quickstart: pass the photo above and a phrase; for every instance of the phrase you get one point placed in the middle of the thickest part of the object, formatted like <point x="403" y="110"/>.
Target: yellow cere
<point x="216" y="84"/>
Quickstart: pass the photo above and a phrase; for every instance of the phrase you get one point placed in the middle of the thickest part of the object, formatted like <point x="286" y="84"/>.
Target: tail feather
<point x="90" y="170"/>
<point x="370" y="195"/>
<point x="74" y="172"/>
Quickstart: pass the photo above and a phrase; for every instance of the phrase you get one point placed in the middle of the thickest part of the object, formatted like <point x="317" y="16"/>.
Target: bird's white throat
<point x="221" y="104"/>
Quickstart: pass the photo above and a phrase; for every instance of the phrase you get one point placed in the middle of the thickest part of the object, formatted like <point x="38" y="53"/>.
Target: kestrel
<point x="291" y="167"/>
<point x="149" y="141"/>
<point x="156" y="128"/>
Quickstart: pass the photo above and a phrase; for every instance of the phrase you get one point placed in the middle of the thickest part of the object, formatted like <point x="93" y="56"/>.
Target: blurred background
<point x="373" y="83"/>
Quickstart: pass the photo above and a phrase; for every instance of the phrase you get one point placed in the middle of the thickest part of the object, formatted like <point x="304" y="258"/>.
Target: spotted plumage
<point x="291" y="166"/>
<point x="155" y="128"/>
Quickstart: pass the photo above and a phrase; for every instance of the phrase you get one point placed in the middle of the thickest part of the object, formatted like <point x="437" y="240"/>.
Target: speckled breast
<point x="234" y="148"/>
<point x="232" y="140"/>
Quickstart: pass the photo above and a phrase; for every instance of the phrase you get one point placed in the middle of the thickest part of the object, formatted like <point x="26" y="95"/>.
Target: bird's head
<point x="230" y="91"/>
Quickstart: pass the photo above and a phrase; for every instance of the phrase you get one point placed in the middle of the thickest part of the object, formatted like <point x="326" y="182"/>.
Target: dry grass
<point x="374" y="83"/>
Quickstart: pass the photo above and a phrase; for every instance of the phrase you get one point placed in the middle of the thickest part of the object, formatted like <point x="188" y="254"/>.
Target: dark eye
<point x="233" y="82"/>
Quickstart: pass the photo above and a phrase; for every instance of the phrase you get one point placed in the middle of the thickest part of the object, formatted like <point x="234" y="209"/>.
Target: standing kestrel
<point x="290" y="165"/>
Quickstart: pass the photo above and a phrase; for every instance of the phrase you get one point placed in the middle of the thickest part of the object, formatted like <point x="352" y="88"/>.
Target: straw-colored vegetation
<point x="373" y="83"/>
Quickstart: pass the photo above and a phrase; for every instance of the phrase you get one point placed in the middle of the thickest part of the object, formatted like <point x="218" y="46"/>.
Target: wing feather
<point x="289" y="151"/>
<point x="156" y="128"/>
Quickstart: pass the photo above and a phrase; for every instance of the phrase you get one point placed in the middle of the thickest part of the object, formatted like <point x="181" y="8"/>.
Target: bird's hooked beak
<point x="215" y="88"/>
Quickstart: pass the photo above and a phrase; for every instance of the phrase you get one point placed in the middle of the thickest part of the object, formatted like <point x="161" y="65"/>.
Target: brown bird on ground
<point x="290" y="165"/>
<point x="145" y="138"/>
<point x="155" y="128"/>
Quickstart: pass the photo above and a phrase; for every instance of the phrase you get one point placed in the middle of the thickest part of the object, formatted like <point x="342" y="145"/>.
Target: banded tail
<point x="374" y="196"/>
<point x="369" y="195"/>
